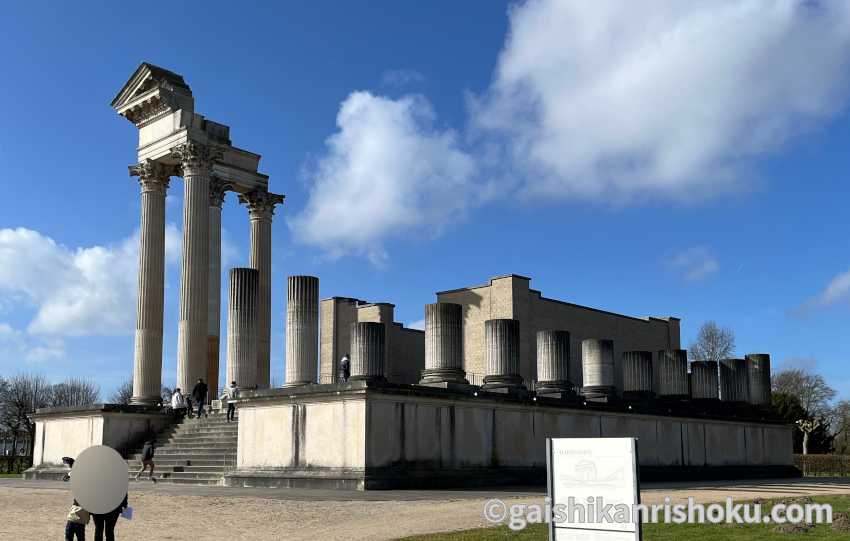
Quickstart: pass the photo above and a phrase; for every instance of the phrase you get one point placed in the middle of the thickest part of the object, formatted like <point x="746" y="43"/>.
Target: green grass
<point x="672" y="532"/>
<point x="11" y="475"/>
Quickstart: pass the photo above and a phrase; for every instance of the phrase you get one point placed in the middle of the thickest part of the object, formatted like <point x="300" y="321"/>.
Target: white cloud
<point x="82" y="291"/>
<point x="620" y="100"/>
<point x="418" y="324"/>
<point x="609" y="100"/>
<point x="16" y="346"/>
<point x="402" y="78"/>
<point x="694" y="264"/>
<point x="387" y="172"/>
<point x="837" y="290"/>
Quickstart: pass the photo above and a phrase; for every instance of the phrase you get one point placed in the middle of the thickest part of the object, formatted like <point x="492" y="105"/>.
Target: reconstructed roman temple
<point x="468" y="401"/>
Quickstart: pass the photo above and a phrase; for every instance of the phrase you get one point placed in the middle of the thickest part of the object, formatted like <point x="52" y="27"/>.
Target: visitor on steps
<point x="230" y="394"/>
<point x="106" y="523"/>
<point x="178" y="403"/>
<point x="147" y="460"/>
<point x="344" y="368"/>
<point x="199" y="394"/>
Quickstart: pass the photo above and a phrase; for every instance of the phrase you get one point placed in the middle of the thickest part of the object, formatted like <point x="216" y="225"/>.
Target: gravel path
<point x="36" y="510"/>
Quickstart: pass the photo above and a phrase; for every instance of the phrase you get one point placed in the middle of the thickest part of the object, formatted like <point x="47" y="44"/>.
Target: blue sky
<point x="689" y="161"/>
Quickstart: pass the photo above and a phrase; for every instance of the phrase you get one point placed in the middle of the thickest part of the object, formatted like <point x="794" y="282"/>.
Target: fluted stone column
<point x="196" y="163"/>
<point x="501" y="341"/>
<point x="147" y="361"/>
<point x="261" y="205"/>
<point x="704" y="384"/>
<point x="368" y="355"/>
<point x="758" y="378"/>
<point x="242" y="318"/>
<point x="637" y="374"/>
<point x="671" y="373"/>
<point x="302" y="330"/>
<point x="443" y="344"/>
<point x="597" y="359"/>
<point x="553" y="362"/>
<point x="734" y="386"/>
<point x="217" y="191"/>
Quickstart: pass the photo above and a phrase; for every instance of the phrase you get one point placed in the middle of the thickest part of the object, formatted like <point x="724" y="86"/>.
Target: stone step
<point x="192" y="451"/>
<point x="166" y="456"/>
<point x="217" y="469"/>
<point x="217" y="480"/>
<point x="199" y="440"/>
<point x="197" y="447"/>
<point x="217" y="460"/>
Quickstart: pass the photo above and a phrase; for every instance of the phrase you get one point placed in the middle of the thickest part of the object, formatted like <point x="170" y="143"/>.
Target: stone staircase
<point x="192" y="451"/>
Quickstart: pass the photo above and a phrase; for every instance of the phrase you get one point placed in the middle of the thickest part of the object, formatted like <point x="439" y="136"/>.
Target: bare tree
<point x="713" y="343"/>
<point x="811" y="389"/>
<point x="839" y="421"/>
<point x="123" y="393"/>
<point x="74" y="392"/>
<point x="807" y="426"/>
<point x="21" y="396"/>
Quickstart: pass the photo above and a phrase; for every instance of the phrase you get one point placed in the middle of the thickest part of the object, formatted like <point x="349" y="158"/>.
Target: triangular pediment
<point x="148" y="80"/>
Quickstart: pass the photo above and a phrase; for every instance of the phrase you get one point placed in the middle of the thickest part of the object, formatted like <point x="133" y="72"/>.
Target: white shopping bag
<point x="127" y="513"/>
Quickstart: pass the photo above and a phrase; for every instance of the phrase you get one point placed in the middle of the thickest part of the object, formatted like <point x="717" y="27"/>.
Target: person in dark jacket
<point x="147" y="460"/>
<point x="106" y="522"/>
<point x="199" y="393"/>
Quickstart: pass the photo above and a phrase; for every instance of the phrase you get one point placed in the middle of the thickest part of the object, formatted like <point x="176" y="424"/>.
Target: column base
<point x="443" y="375"/>
<point x="599" y="393"/>
<point x="503" y="383"/>
<point x="145" y="400"/>
<point x="368" y="379"/>
<point x="554" y="387"/>
<point x="298" y="384"/>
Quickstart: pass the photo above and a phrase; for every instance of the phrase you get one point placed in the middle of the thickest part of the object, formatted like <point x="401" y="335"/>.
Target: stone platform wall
<point x="61" y="432"/>
<point x="362" y="437"/>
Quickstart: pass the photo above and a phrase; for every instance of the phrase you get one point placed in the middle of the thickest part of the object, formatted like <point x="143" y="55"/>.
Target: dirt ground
<point x="37" y="511"/>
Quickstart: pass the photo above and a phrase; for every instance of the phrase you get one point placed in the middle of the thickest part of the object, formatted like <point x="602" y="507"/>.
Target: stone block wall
<point x="510" y="297"/>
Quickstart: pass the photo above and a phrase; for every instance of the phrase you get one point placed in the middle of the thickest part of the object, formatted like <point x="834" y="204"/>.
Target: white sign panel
<point x="593" y="489"/>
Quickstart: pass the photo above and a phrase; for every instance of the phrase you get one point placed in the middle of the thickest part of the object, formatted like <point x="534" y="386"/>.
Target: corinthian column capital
<point x="195" y="158"/>
<point x="218" y="188"/>
<point x="153" y="176"/>
<point x="261" y="203"/>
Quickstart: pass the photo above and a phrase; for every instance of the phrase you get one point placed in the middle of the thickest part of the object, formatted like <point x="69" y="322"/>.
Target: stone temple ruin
<point x="469" y="401"/>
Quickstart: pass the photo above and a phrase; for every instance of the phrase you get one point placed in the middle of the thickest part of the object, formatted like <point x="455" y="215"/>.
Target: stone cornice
<point x="153" y="176"/>
<point x="261" y="203"/>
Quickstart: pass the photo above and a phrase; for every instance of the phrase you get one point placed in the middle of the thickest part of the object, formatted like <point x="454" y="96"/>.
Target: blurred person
<point x="105" y="523"/>
<point x="230" y="394"/>
<point x="344" y="368"/>
<point x="178" y="403"/>
<point x="199" y="394"/>
<point x="147" y="460"/>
